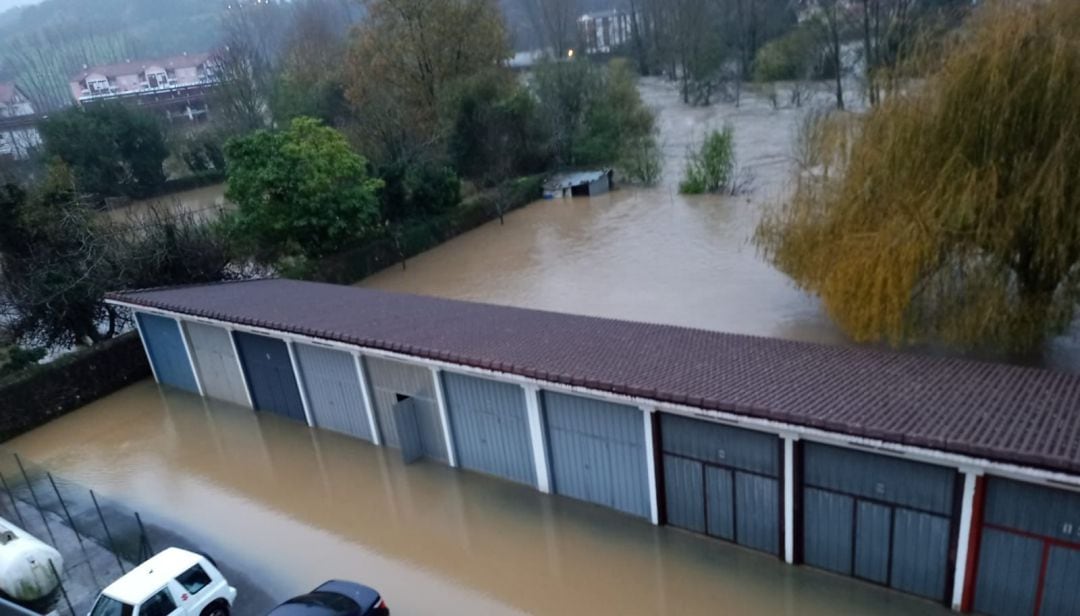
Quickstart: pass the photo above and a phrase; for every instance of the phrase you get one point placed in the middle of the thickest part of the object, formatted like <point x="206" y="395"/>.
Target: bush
<point x="796" y="55"/>
<point x="711" y="169"/>
<point x="642" y="161"/>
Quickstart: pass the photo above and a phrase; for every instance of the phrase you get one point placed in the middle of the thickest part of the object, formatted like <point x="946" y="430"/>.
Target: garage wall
<point x="878" y="518"/>
<point x="1029" y="555"/>
<point x="270" y="376"/>
<point x="391" y="380"/>
<point x="165" y="347"/>
<point x="333" y="390"/>
<point x="597" y="452"/>
<point x="490" y="426"/>
<point x="215" y="360"/>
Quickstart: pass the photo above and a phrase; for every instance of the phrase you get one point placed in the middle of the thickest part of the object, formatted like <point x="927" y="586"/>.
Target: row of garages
<point x="868" y="514"/>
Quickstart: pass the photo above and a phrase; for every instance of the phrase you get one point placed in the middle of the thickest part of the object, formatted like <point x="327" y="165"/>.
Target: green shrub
<point x="711" y="168"/>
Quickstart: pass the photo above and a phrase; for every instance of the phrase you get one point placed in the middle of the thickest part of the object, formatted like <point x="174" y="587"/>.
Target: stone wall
<point x="40" y="394"/>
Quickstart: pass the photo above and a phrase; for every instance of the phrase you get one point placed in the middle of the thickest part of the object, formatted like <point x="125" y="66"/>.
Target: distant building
<point x="18" y="136"/>
<point x="605" y="31"/>
<point x="177" y="85"/>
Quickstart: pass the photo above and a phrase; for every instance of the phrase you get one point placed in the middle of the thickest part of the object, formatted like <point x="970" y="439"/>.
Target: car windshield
<point x="107" y="606"/>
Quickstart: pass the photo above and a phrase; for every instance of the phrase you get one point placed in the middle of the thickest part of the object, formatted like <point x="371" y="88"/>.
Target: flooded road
<point x="294" y="506"/>
<point x="652" y="254"/>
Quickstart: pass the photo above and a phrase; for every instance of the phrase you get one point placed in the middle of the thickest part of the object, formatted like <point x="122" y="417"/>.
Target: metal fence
<point x="99" y="540"/>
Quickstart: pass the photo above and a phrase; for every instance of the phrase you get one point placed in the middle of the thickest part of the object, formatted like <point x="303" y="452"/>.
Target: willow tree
<point x="952" y="211"/>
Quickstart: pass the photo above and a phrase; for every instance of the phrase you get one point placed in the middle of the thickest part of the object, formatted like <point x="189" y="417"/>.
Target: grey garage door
<point x="270" y="376"/>
<point x="216" y="363"/>
<point x="597" y="452"/>
<point x="722" y="481"/>
<point x="878" y="518"/>
<point x="490" y="426"/>
<point x="333" y="390"/>
<point x="165" y="347"/>
<point x="391" y="382"/>
<point x="1029" y="556"/>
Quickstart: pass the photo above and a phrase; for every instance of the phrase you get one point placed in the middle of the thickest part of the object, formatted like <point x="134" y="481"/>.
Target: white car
<point x="174" y="582"/>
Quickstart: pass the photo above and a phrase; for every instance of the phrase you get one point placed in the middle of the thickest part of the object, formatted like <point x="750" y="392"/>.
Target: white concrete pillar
<point x="963" y="545"/>
<point x="190" y="357"/>
<point x="240" y="366"/>
<point x="536" y="435"/>
<point x="299" y="383"/>
<point x="369" y="402"/>
<point x="650" y="459"/>
<point x="451" y="454"/>
<point x="146" y="348"/>
<point x="789" y="499"/>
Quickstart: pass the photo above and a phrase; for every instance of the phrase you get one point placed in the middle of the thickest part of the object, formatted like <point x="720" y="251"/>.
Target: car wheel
<point x="218" y="609"/>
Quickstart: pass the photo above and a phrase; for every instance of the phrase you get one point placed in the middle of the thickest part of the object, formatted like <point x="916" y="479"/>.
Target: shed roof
<point x="575" y="178"/>
<point x="1007" y="413"/>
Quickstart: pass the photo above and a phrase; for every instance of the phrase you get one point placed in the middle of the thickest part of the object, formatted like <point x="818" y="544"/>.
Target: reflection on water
<point x="295" y="506"/>
<point x="654" y="255"/>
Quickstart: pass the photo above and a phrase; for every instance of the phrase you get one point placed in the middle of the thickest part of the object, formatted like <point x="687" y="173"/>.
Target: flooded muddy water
<point x="653" y="254"/>
<point x="294" y="506"/>
<point x="205" y="203"/>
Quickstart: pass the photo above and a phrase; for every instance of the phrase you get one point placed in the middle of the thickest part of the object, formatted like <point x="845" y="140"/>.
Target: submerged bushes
<point x="712" y="168"/>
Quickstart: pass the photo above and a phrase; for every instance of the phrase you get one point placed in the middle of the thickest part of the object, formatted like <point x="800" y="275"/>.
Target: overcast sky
<point x="8" y="4"/>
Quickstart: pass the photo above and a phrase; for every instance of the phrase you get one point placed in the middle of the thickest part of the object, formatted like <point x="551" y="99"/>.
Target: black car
<point x="335" y="598"/>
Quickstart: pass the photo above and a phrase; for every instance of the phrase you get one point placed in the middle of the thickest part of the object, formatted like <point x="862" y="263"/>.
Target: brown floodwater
<point x="653" y="254"/>
<point x="205" y="203"/>
<point x="293" y="506"/>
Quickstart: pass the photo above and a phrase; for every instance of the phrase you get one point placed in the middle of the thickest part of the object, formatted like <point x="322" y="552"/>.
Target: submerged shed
<point x="579" y="184"/>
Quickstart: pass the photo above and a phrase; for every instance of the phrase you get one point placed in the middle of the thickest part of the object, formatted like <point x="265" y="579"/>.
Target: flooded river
<point x="205" y="203"/>
<point x="654" y="255"/>
<point x="293" y="507"/>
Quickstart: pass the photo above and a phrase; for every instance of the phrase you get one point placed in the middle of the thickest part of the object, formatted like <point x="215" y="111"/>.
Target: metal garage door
<point x="490" y="425"/>
<point x="392" y="382"/>
<point x="722" y="481"/>
<point x="333" y="390"/>
<point x="215" y="360"/>
<point x="165" y="346"/>
<point x="878" y="518"/>
<point x="1029" y="556"/>
<point x="597" y="452"/>
<point x="270" y="376"/>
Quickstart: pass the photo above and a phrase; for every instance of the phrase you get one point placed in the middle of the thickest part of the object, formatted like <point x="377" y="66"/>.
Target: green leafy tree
<point x="110" y="149"/>
<point x="950" y="212"/>
<point x="300" y="193"/>
<point x="595" y="114"/>
<point x="711" y="168"/>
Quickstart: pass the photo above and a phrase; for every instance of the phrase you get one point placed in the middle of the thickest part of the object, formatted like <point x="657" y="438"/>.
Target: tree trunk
<point x="868" y="54"/>
<point x="834" y="31"/>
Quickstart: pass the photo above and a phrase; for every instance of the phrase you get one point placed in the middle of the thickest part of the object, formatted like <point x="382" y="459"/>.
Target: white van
<point x="174" y="582"/>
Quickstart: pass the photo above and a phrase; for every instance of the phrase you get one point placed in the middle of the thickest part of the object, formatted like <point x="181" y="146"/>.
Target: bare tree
<point x="556" y="21"/>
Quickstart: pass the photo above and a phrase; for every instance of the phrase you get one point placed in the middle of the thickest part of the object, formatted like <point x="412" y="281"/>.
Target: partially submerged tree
<point x="950" y="212"/>
<point x="300" y="193"/>
<point x="403" y="59"/>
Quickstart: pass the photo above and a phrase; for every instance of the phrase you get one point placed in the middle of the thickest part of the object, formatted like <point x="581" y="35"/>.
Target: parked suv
<point x="174" y="582"/>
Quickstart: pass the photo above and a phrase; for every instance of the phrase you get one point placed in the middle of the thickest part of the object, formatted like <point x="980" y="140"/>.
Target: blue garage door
<point x="166" y="348"/>
<point x="597" y="452"/>
<point x="878" y="518"/>
<point x="333" y="390"/>
<point x="722" y="481"/>
<point x="270" y="375"/>
<point x="1029" y="555"/>
<point x="490" y="425"/>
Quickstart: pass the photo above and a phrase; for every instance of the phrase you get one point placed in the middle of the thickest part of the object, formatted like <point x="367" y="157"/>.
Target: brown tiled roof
<point x="1007" y="413"/>
<point x="132" y="67"/>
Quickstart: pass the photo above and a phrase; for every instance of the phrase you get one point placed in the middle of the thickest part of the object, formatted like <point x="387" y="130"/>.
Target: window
<point x="161" y="604"/>
<point x="194" y="579"/>
<point x="97" y="85"/>
<point x="107" y="606"/>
